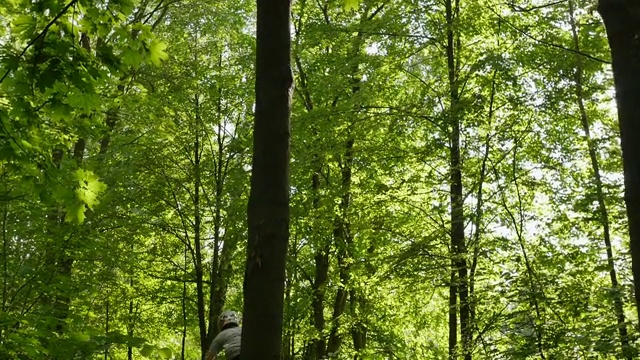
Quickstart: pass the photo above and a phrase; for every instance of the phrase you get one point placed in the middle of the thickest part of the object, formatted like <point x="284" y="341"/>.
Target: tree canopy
<point x="455" y="185"/>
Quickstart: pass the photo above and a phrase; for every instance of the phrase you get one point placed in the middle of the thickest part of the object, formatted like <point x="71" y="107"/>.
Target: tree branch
<point x="44" y="31"/>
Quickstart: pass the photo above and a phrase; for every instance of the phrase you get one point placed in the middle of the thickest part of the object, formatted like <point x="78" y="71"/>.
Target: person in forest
<point x="228" y="338"/>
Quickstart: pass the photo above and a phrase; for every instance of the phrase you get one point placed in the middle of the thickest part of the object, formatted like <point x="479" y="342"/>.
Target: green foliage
<point x="103" y="111"/>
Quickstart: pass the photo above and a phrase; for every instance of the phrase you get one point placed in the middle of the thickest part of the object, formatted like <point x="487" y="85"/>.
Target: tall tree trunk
<point x="61" y="299"/>
<point x="318" y="345"/>
<point x="131" y="321"/>
<point x="458" y="245"/>
<point x="5" y="261"/>
<point x="479" y="213"/>
<point x="622" y="21"/>
<point x="268" y="209"/>
<point x="184" y="307"/>
<point x="218" y="288"/>
<point x="602" y="207"/>
<point x="342" y="228"/>
<point x="321" y="259"/>
<point x="359" y="329"/>
<point x="518" y="225"/>
<point x="342" y="239"/>
<point x="106" y="329"/>
<point x="55" y="220"/>
<point x="196" y="233"/>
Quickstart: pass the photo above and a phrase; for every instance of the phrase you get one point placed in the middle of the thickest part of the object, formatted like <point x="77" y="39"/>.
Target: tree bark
<point x="622" y="21"/>
<point x="321" y="259"/>
<point x="458" y="245"/>
<point x="268" y="209"/>
<point x="602" y="207"/>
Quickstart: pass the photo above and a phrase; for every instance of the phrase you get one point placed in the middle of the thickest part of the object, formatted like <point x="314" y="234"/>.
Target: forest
<point x="358" y="179"/>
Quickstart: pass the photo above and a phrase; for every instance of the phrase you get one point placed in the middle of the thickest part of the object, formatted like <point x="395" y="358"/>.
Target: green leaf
<point x="351" y="5"/>
<point x="75" y="213"/>
<point x="89" y="187"/>
<point x="132" y="57"/>
<point x="60" y="111"/>
<point x="156" y="52"/>
<point x="24" y="24"/>
<point x="126" y="6"/>
<point x="82" y="337"/>
<point x="84" y="101"/>
<point x="165" y="353"/>
<point x="146" y="351"/>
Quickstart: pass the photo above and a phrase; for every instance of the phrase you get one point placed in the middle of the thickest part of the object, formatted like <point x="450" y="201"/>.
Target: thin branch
<point x="543" y="42"/>
<point x="44" y="31"/>
<point x="518" y="8"/>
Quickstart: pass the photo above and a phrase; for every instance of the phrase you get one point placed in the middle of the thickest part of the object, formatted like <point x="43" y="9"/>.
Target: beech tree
<point x="454" y="185"/>
<point x="622" y="20"/>
<point x="268" y="209"/>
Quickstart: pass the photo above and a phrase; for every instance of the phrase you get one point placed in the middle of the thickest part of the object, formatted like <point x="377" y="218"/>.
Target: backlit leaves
<point x="156" y="52"/>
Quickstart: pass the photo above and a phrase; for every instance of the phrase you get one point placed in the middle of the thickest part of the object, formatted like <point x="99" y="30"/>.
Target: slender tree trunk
<point x="112" y="117"/>
<point x="196" y="233"/>
<point x="61" y="299"/>
<point x="359" y="329"/>
<point x="5" y="257"/>
<point x="106" y="330"/>
<point x="268" y="210"/>
<point x="321" y="259"/>
<point x="318" y="347"/>
<point x="453" y="312"/>
<point x="341" y="232"/>
<point x="622" y="21"/>
<point x="518" y="225"/>
<point x="184" y="307"/>
<point x="5" y="260"/>
<point x="458" y="245"/>
<point x="131" y="322"/>
<point x="602" y="207"/>
<point x="343" y="239"/>
<point x="221" y="262"/>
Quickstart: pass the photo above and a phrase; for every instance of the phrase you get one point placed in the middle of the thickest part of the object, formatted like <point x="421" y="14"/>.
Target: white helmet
<point x="228" y="317"/>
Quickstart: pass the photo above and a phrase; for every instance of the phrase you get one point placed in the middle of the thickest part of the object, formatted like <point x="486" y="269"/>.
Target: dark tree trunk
<point x="458" y="245"/>
<point x="622" y="21"/>
<point x="268" y="210"/>
<point x="184" y="308"/>
<point x="321" y="259"/>
<point x="602" y="207"/>
<point x="343" y="239"/>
